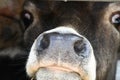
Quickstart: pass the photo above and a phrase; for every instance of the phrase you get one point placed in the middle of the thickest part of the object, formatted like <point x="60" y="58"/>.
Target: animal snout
<point x="62" y="49"/>
<point x="53" y="39"/>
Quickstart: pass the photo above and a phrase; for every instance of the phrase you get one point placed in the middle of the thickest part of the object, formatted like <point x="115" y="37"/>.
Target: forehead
<point x="61" y="10"/>
<point x="77" y="9"/>
<point x="81" y="5"/>
<point x="61" y="4"/>
<point x="70" y="6"/>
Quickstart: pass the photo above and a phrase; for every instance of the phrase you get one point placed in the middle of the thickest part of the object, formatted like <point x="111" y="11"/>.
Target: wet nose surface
<point x="63" y="41"/>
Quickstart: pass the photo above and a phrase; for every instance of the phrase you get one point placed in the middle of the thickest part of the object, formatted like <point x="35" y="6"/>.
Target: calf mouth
<point x="58" y="73"/>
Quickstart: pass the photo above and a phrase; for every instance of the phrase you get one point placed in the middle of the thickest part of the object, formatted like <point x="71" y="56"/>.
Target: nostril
<point x="44" y="43"/>
<point x="79" y="46"/>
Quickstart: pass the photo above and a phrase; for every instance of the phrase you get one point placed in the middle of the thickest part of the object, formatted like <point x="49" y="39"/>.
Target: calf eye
<point x="115" y="20"/>
<point x="27" y="18"/>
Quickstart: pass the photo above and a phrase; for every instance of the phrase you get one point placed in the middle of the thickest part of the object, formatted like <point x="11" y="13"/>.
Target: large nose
<point x="56" y="40"/>
<point x="61" y="48"/>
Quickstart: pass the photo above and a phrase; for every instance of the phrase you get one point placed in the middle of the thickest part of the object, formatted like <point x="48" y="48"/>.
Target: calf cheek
<point x="105" y="48"/>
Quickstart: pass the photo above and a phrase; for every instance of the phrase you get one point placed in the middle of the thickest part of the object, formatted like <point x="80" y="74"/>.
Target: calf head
<point x="70" y="39"/>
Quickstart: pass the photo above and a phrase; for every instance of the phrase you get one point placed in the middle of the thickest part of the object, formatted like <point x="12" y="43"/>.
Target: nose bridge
<point x="62" y="47"/>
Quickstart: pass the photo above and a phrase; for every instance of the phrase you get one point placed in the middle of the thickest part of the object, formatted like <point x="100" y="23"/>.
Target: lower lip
<point x="56" y="73"/>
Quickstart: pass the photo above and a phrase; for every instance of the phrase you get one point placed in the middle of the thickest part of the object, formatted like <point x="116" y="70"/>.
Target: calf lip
<point x="56" y="69"/>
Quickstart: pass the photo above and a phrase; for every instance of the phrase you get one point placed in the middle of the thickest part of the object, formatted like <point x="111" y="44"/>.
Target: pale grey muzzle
<point x="61" y="55"/>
